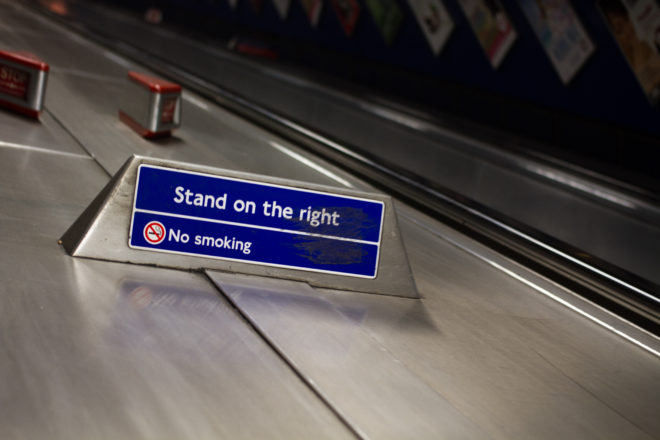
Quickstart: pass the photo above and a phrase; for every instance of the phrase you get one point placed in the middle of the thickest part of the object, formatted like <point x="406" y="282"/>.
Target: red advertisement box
<point x="23" y="79"/>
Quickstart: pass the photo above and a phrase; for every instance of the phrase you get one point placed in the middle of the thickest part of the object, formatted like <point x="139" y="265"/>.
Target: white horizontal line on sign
<point x="267" y="228"/>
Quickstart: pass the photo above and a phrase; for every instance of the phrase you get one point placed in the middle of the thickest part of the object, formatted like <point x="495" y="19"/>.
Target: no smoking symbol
<point x="154" y="232"/>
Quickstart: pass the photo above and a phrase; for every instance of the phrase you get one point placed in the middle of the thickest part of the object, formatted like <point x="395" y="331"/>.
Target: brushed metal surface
<point x="512" y="361"/>
<point x="515" y="361"/>
<point x="101" y="350"/>
<point x="529" y="190"/>
<point x="210" y="136"/>
<point x="84" y="91"/>
<point x="94" y="349"/>
<point x="372" y="390"/>
<point x="46" y="135"/>
<point x="102" y="232"/>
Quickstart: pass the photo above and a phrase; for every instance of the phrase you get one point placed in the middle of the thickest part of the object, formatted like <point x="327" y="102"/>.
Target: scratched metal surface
<point x="92" y="349"/>
<point x="529" y="190"/>
<point x="84" y="92"/>
<point x="489" y="351"/>
<point x="99" y="350"/>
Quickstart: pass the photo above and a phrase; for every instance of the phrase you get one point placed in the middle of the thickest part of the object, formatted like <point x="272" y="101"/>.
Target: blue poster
<point x="560" y="32"/>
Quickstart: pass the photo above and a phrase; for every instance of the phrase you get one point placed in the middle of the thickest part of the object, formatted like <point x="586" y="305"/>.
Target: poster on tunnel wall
<point x="492" y="27"/>
<point x="347" y="12"/>
<point x="282" y="7"/>
<point x="312" y="10"/>
<point x="635" y="25"/>
<point x="388" y="17"/>
<point x="435" y="21"/>
<point x="561" y="34"/>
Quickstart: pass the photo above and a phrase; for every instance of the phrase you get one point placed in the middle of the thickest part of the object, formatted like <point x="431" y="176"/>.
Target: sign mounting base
<point x="178" y="215"/>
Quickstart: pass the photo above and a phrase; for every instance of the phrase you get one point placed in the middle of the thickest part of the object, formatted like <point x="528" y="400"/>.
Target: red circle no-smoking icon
<point x="154" y="232"/>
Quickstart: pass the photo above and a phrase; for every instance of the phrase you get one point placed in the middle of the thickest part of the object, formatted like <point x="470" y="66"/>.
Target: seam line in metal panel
<point x="545" y="292"/>
<point x="619" y="290"/>
<point x="300" y="158"/>
<point x="329" y="143"/>
<point x="66" y="129"/>
<point x="354" y="430"/>
<point x="593" y="394"/>
<point x="4" y="144"/>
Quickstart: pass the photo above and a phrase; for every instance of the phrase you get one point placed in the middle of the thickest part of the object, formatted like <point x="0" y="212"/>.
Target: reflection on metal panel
<point x="372" y="390"/>
<point x="101" y="350"/>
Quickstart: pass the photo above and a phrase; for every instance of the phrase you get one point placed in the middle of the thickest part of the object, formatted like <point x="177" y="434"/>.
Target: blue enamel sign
<point x="198" y="214"/>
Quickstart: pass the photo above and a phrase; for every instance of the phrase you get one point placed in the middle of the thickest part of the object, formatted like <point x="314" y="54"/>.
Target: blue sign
<point x="198" y="214"/>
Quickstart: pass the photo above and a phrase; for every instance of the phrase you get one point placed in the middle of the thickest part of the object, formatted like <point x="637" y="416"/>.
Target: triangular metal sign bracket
<point x="102" y="232"/>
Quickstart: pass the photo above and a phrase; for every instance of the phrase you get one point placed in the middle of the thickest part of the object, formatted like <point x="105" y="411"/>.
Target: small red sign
<point x="154" y="232"/>
<point x="14" y="82"/>
<point x="167" y="113"/>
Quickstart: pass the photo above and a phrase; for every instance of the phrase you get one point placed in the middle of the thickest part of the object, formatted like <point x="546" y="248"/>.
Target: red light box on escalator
<point x="22" y="82"/>
<point x="151" y="106"/>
